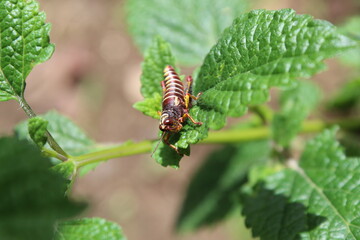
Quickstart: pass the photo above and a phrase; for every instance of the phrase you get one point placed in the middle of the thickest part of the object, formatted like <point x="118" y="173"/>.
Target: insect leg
<point x="187" y="98"/>
<point x="189" y="81"/>
<point x="166" y="141"/>
<point x="197" y="96"/>
<point x="188" y="93"/>
<point x="187" y="115"/>
<point x="163" y="86"/>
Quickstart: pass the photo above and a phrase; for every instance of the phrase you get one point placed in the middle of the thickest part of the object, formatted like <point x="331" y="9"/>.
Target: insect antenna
<point x="157" y="145"/>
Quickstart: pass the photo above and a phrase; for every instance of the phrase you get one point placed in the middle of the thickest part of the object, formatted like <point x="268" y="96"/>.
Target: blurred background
<point x="93" y="78"/>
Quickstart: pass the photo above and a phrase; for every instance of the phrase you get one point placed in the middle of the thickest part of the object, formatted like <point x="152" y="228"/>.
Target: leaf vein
<point x="321" y="193"/>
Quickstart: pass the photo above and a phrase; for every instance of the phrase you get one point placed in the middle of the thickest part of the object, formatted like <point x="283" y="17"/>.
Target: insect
<point x="176" y="104"/>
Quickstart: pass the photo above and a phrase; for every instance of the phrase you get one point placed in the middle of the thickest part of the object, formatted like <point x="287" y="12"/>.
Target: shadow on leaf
<point x="272" y="216"/>
<point x="213" y="192"/>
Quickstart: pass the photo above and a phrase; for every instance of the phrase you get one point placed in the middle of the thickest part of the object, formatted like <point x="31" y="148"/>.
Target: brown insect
<point x="175" y="104"/>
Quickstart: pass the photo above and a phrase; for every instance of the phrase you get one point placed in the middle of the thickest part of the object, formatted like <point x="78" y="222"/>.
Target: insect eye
<point x="168" y="122"/>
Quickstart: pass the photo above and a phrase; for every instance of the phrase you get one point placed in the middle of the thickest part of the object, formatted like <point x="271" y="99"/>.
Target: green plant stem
<point x="62" y="155"/>
<point x="50" y="153"/>
<point x="113" y="152"/>
<point x="264" y="112"/>
<point x="220" y="137"/>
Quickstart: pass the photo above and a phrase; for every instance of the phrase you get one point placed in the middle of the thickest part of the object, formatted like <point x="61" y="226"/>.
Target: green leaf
<point x="296" y="104"/>
<point x="87" y="168"/>
<point x="317" y="199"/>
<point x="213" y="190"/>
<point x="259" y="173"/>
<point x="278" y="44"/>
<point x="150" y="106"/>
<point x="66" y="169"/>
<point x="69" y="136"/>
<point x="89" y="228"/>
<point x="351" y="29"/>
<point x="191" y="27"/>
<point x="32" y="196"/>
<point x="24" y="42"/>
<point x="166" y="156"/>
<point x="279" y="218"/>
<point x="348" y="97"/>
<point x="37" y="127"/>
<point x="157" y="56"/>
<point x="260" y="50"/>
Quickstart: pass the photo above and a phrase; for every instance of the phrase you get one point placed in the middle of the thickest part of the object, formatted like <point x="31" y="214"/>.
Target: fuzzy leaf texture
<point x="24" y="42"/>
<point x="191" y="27"/>
<point x="317" y="199"/>
<point x="156" y="58"/>
<point x="37" y="127"/>
<point x="32" y="196"/>
<point x="150" y="106"/>
<point x="260" y="50"/>
<point x="89" y="228"/>
<point x="69" y="136"/>
<point x="213" y="191"/>
<point x="296" y="104"/>
<point x="67" y="169"/>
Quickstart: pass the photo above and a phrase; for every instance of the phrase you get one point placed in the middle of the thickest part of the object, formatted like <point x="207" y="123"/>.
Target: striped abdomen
<point x="174" y="89"/>
<point x="175" y="105"/>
